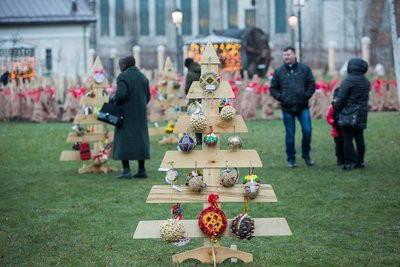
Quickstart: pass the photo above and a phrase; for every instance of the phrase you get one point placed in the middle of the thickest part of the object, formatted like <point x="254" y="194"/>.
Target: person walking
<point x="354" y="94"/>
<point x="292" y="85"/>
<point x="131" y="141"/>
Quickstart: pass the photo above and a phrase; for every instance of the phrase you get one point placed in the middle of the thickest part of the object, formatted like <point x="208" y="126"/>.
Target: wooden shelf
<point x="210" y="159"/>
<point x="262" y="227"/>
<point x="89" y="137"/>
<point x="204" y="255"/>
<point x="219" y="125"/>
<point x="165" y="117"/>
<point x="166" y="194"/>
<point x="170" y="103"/>
<point x="223" y="91"/>
<point x="67" y="155"/>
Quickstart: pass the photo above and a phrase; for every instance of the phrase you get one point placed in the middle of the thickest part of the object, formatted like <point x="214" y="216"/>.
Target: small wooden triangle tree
<point x="211" y="160"/>
<point x="168" y="105"/>
<point x="98" y="134"/>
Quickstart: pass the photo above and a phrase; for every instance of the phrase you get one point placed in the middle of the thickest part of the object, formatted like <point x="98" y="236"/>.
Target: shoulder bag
<point x="111" y="114"/>
<point x="348" y="117"/>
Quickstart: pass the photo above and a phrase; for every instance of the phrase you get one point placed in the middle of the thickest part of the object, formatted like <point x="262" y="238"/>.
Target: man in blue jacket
<point x="293" y="85"/>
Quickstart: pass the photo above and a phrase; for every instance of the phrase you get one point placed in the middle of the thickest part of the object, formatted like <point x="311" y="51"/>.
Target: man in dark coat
<point x="194" y="72"/>
<point x="131" y="141"/>
<point x="293" y="85"/>
<point x="354" y="94"/>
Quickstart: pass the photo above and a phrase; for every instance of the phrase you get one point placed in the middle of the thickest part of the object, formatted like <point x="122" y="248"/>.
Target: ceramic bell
<point x="210" y="139"/>
<point x="195" y="182"/>
<point x="235" y="142"/>
<point x="186" y="143"/>
<point x="228" y="177"/>
<point x="242" y="226"/>
<point x="251" y="186"/>
<point x="228" y="112"/>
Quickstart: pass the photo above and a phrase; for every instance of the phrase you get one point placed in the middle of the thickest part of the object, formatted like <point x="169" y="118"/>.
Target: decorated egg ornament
<point x="186" y="143"/>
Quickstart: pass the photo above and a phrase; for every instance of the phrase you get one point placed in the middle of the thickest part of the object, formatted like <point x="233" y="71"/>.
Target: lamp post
<point x="177" y="17"/>
<point x="299" y="4"/>
<point x="292" y="21"/>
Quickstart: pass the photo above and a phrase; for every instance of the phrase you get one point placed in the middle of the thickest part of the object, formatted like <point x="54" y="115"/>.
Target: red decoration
<point x="212" y="220"/>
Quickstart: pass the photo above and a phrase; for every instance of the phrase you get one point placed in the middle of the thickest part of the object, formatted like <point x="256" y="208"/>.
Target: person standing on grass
<point x="292" y="85"/>
<point x="354" y="93"/>
<point x="337" y="132"/>
<point x="131" y="141"/>
<point x="194" y="73"/>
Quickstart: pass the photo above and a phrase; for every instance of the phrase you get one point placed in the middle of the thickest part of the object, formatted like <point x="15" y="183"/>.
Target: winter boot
<point x="126" y="174"/>
<point x="141" y="174"/>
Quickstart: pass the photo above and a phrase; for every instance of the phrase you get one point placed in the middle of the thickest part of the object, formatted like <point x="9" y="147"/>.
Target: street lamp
<point x="177" y="16"/>
<point x="292" y="20"/>
<point x="299" y="4"/>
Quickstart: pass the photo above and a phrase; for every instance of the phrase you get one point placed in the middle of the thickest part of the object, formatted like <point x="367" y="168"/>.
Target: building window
<point x="119" y="18"/>
<point x="104" y="16"/>
<point x="49" y="60"/>
<point x="144" y="17"/>
<point x="187" y="17"/>
<point x="160" y="17"/>
<point x="204" y="17"/>
<point x="280" y="16"/>
<point x="250" y="16"/>
<point x="232" y="14"/>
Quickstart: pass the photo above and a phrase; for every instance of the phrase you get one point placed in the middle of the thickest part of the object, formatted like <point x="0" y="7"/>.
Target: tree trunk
<point x="395" y="43"/>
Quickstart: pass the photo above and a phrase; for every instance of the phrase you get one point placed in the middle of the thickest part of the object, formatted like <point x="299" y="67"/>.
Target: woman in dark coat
<point x="354" y="91"/>
<point x="131" y="141"/>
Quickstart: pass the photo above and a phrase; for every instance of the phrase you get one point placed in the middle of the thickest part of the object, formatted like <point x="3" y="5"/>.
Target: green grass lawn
<point x="53" y="216"/>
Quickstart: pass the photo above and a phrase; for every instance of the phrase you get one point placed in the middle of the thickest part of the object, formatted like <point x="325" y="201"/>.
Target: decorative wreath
<point x="212" y="220"/>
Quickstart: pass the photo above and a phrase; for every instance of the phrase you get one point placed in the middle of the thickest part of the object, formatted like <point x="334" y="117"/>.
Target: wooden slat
<point x="204" y="255"/>
<point x="86" y="119"/>
<point x="165" y="117"/>
<point x="166" y="194"/>
<point x="170" y="103"/>
<point x="262" y="227"/>
<point x="93" y="101"/>
<point x="219" y="125"/>
<point x="209" y="159"/>
<point x="89" y="137"/>
<point x="75" y="155"/>
<point x="223" y="91"/>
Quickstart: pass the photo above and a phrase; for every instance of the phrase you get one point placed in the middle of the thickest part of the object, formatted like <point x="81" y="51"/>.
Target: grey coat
<point x="354" y="91"/>
<point x="131" y="141"/>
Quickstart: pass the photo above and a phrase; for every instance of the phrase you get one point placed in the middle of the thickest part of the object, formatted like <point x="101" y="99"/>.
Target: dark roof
<point x="44" y="12"/>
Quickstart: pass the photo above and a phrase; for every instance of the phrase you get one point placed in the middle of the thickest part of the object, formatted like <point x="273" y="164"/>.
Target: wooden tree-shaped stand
<point x="211" y="160"/>
<point x="97" y="136"/>
<point x="168" y="104"/>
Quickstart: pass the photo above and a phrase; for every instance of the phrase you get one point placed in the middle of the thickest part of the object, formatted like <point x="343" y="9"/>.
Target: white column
<point x="160" y="58"/>
<point x="90" y="63"/>
<point x="136" y="55"/>
<point x="331" y="57"/>
<point x="365" y="41"/>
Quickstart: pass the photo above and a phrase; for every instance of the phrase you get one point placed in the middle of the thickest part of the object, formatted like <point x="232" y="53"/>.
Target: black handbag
<point x="348" y="117"/>
<point x="111" y="114"/>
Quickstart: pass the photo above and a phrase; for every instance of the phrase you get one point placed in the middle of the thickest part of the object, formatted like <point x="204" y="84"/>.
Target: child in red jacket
<point x="336" y="132"/>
